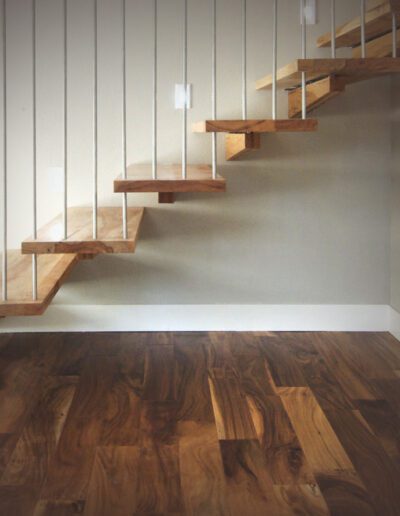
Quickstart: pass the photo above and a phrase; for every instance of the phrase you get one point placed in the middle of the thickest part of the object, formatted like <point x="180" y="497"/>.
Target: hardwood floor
<point x="200" y="423"/>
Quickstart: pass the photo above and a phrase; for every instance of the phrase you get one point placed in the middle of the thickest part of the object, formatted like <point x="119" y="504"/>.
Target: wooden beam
<point x="379" y="47"/>
<point x="255" y="126"/>
<point x="238" y="145"/>
<point x="166" y="197"/>
<point x="352" y="70"/>
<point x="317" y="94"/>
<point x="199" y="179"/>
<point x="378" y="21"/>
<point x="110" y="238"/>
<point x="53" y="270"/>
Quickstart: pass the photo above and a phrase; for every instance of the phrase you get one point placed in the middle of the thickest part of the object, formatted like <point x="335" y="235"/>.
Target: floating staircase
<point x="325" y="80"/>
<point x="80" y="229"/>
<point x="53" y="270"/>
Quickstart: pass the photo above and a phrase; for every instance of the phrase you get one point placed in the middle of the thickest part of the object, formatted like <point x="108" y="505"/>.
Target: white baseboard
<point x="395" y="323"/>
<point x="207" y="318"/>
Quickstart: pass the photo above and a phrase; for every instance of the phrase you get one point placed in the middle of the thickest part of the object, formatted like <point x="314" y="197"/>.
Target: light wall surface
<point x="395" y="222"/>
<point x="306" y="220"/>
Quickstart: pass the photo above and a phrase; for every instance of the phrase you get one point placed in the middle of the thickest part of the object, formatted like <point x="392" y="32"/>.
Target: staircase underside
<point x="254" y="126"/>
<point x="378" y="21"/>
<point x="80" y="229"/>
<point x="379" y="47"/>
<point x="350" y="70"/>
<point x="169" y="180"/>
<point x="53" y="270"/>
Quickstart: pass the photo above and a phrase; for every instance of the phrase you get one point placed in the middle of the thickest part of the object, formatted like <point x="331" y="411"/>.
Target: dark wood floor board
<point x="114" y="482"/>
<point x="71" y="466"/>
<point x="283" y="368"/>
<point x="159" y="374"/>
<point x="17" y="500"/>
<point x="378" y="473"/>
<point x="36" y="446"/>
<point x="59" y="508"/>
<point x="345" y="367"/>
<point x="159" y="487"/>
<point x="193" y="393"/>
<point x="200" y="423"/>
<point x="249" y="486"/>
<point x="231" y="411"/>
<point x="201" y="469"/>
<point x="301" y="500"/>
<point x="384" y="423"/>
<point x="23" y="365"/>
<point x="284" y="456"/>
<point x="318" y="376"/>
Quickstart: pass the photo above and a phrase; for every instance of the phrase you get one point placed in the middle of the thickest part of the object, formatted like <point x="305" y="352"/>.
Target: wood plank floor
<point x="200" y="423"/>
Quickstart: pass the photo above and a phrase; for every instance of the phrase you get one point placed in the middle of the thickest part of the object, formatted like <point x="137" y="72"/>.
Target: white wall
<point x="305" y="220"/>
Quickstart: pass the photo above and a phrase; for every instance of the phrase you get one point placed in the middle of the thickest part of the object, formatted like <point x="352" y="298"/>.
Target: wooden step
<point x="378" y="21"/>
<point x="53" y="270"/>
<point x="318" y="93"/>
<point x="238" y="145"/>
<point x="255" y="126"/>
<point x="199" y="179"/>
<point x="379" y="47"/>
<point x="80" y="228"/>
<point x="352" y="70"/>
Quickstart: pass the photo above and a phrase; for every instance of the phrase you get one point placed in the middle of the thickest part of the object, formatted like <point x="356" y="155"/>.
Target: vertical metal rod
<point x="363" y="37"/>
<point x="185" y="86"/>
<point x="155" y="88"/>
<point x="214" y="87"/>
<point x="394" y="34"/>
<point x="4" y="260"/>
<point x="304" y="56"/>
<point x="34" y="170"/>
<point x="274" y="61"/>
<point x="244" y="59"/>
<point x="65" y="208"/>
<point x="124" y="123"/>
<point x="333" y="28"/>
<point x="95" y="122"/>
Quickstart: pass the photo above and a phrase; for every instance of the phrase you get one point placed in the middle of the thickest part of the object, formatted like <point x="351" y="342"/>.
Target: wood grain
<point x="349" y="70"/>
<point x="169" y="180"/>
<point x="199" y="423"/>
<point x="255" y="126"/>
<point x="238" y="145"/>
<point x="52" y="272"/>
<point x="378" y="47"/>
<point x="378" y="21"/>
<point x="50" y="238"/>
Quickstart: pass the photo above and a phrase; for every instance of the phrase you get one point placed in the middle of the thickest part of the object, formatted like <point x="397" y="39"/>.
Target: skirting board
<point x="395" y="323"/>
<point x="206" y="318"/>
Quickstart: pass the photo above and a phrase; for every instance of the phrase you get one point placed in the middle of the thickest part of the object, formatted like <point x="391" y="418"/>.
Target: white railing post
<point x="124" y="124"/>
<point x="333" y="29"/>
<point x="304" y="56"/>
<point x="185" y="88"/>
<point x="394" y="34"/>
<point x="95" y="121"/>
<point x="65" y="207"/>
<point x="4" y="258"/>
<point x="275" y="61"/>
<point x="244" y="59"/>
<point x="363" y="36"/>
<point x="34" y="169"/>
<point x="155" y="89"/>
<point x="214" y="86"/>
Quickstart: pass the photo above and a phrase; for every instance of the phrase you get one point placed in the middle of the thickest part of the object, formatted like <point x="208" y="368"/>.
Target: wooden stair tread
<point x="52" y="272"/>
<point x="254" y="126"/>
<point x="378" y="21"/>
<point x="80" y="228"/>
<point x="379" y="47"/>
<point x="352" y="70"/>
<point x="169" y="179"/>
